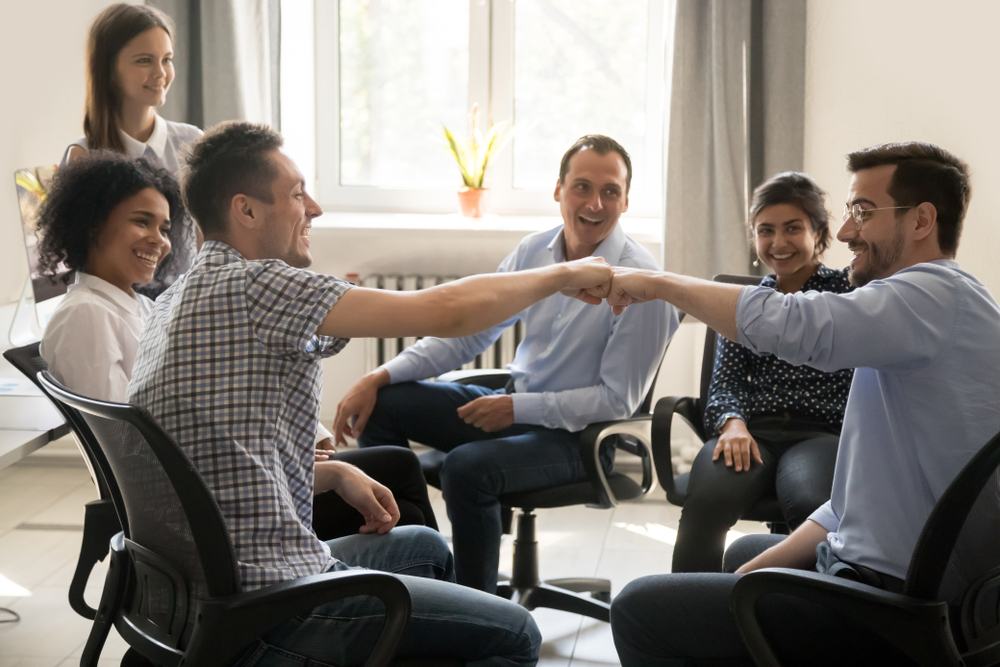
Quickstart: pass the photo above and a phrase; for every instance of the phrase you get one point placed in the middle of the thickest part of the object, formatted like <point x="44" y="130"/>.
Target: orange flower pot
<point x="473" y="202"/>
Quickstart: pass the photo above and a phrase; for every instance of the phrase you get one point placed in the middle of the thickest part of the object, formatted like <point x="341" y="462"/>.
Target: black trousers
<point x="394" y="467"/>
<point x="799" y="459"/>
<point x="671" y="620"/>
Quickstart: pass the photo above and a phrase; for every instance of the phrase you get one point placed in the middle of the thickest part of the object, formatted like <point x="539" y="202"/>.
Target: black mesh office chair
<point x="949" y="609"/>
<point x="600" y="490"/>
<point x="692" y="410"/>
<point x="100" y="521"/>
<point x="173" y="588"/>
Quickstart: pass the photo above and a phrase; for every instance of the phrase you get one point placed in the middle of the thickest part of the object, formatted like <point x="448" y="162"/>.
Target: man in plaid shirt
<point x="229" y="364"/>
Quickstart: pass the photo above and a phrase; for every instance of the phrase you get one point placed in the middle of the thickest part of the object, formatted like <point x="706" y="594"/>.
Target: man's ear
<point x="558" y="192"/>
<point x="926" y="221"/>
<point x="242" y="212"/>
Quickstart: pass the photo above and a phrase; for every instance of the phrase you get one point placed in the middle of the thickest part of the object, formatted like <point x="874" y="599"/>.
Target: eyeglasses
<point x="861" y="215"/>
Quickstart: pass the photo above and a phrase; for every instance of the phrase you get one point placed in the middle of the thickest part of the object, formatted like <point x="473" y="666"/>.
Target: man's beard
<point x="880" y="259"/>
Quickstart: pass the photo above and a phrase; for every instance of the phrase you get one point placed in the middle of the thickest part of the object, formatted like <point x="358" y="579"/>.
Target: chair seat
<point x="765" y="510"/>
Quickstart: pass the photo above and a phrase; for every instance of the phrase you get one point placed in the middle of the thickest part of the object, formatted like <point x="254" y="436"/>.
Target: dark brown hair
<point x="232" y="158"/>
<point x="113" y="28"/>
<point x="797" y="189"/>
<point x="601" y="145"/>
<point x="924" y="173"/>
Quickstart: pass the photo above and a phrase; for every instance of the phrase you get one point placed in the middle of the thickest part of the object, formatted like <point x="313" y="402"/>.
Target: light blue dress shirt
<point x="578" y="364"/>
<point x="925" y="396"/>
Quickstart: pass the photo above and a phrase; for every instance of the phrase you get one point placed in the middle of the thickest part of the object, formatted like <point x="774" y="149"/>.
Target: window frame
<point x="491" y="80"/>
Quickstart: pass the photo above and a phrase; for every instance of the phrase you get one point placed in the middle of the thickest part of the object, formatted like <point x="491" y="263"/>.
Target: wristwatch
<point x="726" y="416"/>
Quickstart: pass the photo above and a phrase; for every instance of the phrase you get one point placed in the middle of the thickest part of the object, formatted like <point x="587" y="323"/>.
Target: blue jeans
<point x="480" y="466"/>
<point x="447" y="621"/>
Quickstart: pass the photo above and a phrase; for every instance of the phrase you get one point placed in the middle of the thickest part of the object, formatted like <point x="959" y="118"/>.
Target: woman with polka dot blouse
<point x="776" y="425"/>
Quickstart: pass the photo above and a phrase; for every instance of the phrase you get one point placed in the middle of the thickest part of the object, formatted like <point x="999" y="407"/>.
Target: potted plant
<point x="473" y="156"/>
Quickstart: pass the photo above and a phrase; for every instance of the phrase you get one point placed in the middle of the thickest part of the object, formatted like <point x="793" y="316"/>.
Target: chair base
<point x="551" y="596"/>
<point x="525" y="589"/>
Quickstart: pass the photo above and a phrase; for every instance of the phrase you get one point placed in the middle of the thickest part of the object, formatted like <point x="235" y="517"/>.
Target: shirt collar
<point x="610" y="248"/>
<point x="157" y="140"/>
<point x="217" y="253"/>
<point x="107" y="290"/>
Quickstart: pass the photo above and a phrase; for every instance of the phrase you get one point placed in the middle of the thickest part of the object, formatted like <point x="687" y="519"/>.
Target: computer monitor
<point x="40" y="300"/>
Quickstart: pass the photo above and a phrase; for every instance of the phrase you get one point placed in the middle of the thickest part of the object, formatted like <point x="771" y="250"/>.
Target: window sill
<point x="640" y="229"/>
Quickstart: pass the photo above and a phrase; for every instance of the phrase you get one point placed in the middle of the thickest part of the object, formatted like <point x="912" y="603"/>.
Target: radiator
<point x="380" y="350"/>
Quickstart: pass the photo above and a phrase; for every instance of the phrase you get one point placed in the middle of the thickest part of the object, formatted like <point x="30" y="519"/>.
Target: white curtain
<point x="225" y="60"/>
<point x="736" y="117"/>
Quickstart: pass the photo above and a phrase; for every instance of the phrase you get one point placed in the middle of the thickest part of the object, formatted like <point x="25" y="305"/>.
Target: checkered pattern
<point x="229" y="365"/>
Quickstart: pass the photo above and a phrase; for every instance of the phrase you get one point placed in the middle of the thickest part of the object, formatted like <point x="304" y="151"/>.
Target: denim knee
<point x="467" y="472"/>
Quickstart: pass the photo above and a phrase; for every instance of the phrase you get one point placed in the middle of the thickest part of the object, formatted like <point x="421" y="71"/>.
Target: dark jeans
<point x="399" y="470"/>
<point x="671" y="620"/>
<point x="479" y="467"/>
<point x="799" y="459"/>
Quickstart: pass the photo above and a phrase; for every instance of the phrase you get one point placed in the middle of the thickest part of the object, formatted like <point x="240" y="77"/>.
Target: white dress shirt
<point x="578" y="364"/>
<point x="92" y="339"/>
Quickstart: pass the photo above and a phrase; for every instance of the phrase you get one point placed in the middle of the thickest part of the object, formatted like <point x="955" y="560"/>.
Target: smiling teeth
<point x="147" y="258"/>
<point x="786" y="256"/>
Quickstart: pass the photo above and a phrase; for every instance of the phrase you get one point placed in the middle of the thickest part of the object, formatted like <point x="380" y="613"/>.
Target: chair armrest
<point x="637" y="429"/>
<point x="228" y="624"/>
<point x="491" y="378"/>
<point x="915" y="626"/>
<point x="663" y="417"/>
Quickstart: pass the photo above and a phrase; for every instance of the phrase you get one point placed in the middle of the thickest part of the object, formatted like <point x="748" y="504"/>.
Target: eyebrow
<point x="151" y="55"/>
<point x="786" y="222"/>
<point x="862" y="200"/>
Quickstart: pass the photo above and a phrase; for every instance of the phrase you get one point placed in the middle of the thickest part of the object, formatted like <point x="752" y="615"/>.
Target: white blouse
<point x="92" y="339"/>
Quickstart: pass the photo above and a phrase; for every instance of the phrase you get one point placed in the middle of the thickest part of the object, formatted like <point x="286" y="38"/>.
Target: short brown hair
<point x="797" y="189"/>
<point x="232" y="158"/>
<point x="113" y="28"/>
<point x="924" y="173"/>
<point x="601" y="145"/>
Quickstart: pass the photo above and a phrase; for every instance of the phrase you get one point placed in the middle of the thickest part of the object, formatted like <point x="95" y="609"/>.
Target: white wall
<point x="898" y="70"/>
<point x="42" y="46"/>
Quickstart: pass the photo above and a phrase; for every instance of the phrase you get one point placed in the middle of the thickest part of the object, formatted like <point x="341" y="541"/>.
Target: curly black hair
<point x="82" y="196"/>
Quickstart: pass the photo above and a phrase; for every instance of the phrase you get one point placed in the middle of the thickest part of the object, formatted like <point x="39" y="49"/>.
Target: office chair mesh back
<point x="977" y="551"/>
<point x="159" y="524"/>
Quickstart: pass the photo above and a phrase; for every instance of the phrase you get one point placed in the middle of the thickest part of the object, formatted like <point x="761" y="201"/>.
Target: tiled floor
<point x="41" y="515"/>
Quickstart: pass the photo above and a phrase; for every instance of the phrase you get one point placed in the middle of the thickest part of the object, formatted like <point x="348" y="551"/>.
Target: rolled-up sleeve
<point x="826" y="517"/>
<point x="830" y="331"/>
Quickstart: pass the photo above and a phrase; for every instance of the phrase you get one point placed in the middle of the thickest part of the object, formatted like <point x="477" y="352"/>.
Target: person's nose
<point x="594" y="202"/>
<point x="847" y="231"/>
<point x="313" y="210"/>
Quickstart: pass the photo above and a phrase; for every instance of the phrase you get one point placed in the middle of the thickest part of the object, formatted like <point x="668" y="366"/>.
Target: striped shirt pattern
<point x="229" y="365"/>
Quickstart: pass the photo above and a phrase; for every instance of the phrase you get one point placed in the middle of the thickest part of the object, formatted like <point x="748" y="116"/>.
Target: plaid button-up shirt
<point x="229" y="365"/>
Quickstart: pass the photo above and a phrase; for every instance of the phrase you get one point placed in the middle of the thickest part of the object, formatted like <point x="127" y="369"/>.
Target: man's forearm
<point x="798" y="550"/>
<point x="710" y="302"/>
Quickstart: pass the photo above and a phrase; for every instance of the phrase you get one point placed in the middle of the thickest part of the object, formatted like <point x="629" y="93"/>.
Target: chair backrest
<point x="957" y="556"/>
<point x="28" y="360"/>
<point x="711" y="339"/>
<point x="177" y="537"/>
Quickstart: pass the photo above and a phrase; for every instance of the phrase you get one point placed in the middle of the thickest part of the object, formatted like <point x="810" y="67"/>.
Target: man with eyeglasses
<point x="924" y="337"/>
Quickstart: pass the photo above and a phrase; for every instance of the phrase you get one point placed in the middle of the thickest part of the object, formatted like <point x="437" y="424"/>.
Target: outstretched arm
<point x="712" y="303"/>
<point x="462" y="307"/>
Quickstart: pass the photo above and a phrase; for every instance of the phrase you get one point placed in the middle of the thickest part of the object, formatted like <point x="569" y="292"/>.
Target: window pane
<point x="404" y="69"/>
<point x="579" y="68"/>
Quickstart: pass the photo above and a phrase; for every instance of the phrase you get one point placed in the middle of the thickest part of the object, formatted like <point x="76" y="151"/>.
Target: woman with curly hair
<point x="129" y="71"/>
<point x="776" y="426"/>
<point x="112" y="220"/>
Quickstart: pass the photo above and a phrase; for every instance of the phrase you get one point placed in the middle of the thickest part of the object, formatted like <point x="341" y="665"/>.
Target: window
<point x="388" y="73"/>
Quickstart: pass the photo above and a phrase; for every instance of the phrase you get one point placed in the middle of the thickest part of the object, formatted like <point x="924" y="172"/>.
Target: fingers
<point x="339" y="427"/>
<point x="756" y="451"/>
<point x="727" y="450"/>
<point x="322" y="455"/>
<point x="718" y="450"/>
<point x="362" y="420"/>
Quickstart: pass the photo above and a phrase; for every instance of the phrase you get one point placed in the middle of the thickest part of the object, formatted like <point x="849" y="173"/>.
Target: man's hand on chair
<point x="489" y="413"/>
<point x="358" y="403"/>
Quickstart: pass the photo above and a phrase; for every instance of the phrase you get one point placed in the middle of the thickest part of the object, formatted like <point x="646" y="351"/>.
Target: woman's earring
<point x="756" y="263"/>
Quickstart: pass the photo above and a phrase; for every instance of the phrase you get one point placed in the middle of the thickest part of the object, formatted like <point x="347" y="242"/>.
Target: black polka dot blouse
<point x="745" y="385"/>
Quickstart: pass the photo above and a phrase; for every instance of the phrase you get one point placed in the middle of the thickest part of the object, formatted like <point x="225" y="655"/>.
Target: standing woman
<point x="129" y="71"/>
<point x="776" y="426"/>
